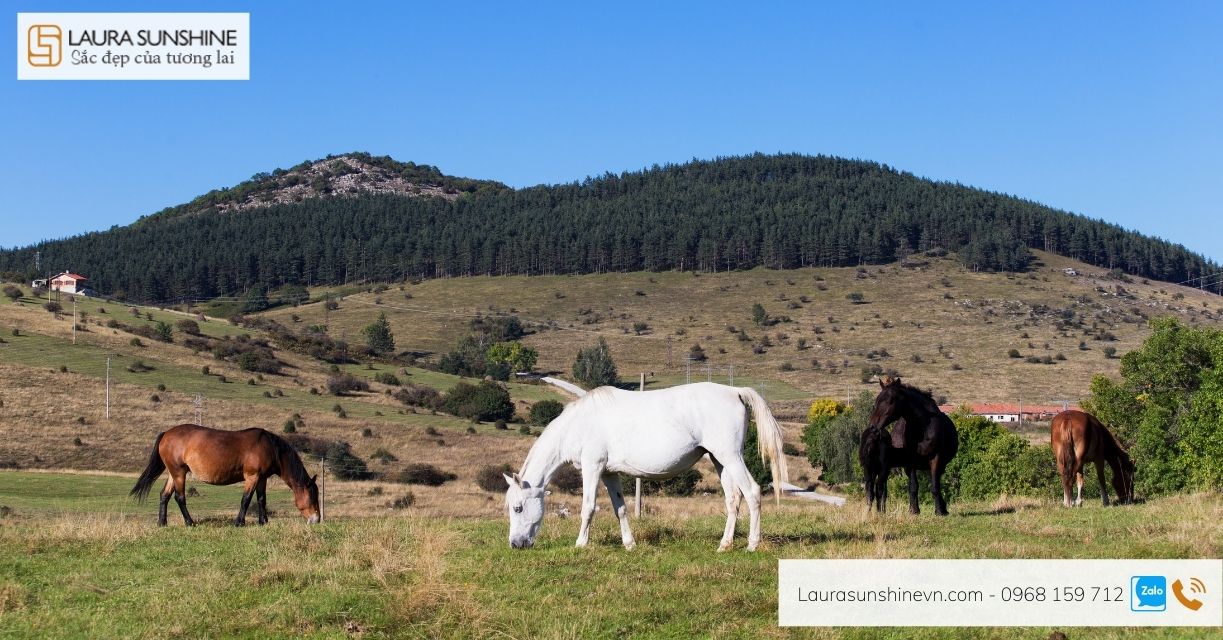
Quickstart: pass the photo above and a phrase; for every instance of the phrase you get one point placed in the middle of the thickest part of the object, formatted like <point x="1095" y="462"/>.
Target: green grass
<point x="122" y="313"/>
<point x="83" y="569"/>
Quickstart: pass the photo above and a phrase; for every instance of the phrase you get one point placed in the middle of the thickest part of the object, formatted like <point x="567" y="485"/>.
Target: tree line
<point x="776" y="211"/>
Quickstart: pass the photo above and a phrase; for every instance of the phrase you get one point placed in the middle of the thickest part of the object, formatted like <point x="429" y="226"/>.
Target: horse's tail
<point x="151" y="472"/>
<point x="1065" y="453"/>
<point x="769" y="436"/>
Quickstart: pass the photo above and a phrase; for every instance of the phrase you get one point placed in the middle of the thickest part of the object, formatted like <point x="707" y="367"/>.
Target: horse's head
<point x="1123" y="479"/>
<point x="525" y="506"/>
<point x="306" y="500"/>
<point x="887" y="403"/>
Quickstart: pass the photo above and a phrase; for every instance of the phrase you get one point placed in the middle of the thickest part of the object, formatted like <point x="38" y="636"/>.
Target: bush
<point x="386" y="377"/>
<point x="417" y="396"/>
<point x="485" y="401"/>
<point x="681" y="485"/>
<point x="290" y="426"/>
<point x="383" y="456"/>
<point x="1013" y="353"/>
<point x="855" y="297"/>
<point x="188" y="326"/>
<point x="489" y="477"/>
<point x="12" y="293"/>
<point x="500" y="425"/>
<point x="1008" y="464"/>
<point x="345" y="464"/>
<point x="378" y="335"/>
<point x="420" y="473"/>
<point x="402" y="502"/>
<point x="345" y="383"/>
<point x="52" y="306"/>
<point x="545" y="411"/>
<point x="594" y="367"/>
<point x="163" y="332"/>
<point x="567" y="479"/>
<point x="258" y="361"/>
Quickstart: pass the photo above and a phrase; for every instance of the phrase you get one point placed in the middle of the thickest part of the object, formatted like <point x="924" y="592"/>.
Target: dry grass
<point x="985" y="317"/>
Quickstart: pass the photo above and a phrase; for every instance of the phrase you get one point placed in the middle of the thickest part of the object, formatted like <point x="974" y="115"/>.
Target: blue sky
<point x="1112" y="110"/>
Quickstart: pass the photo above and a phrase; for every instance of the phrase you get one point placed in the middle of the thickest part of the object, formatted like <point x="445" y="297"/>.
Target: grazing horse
<point x="924" y="436"/>
<point x="647" y="434"/>
<point x="878" y="457"/>
<point x="1078" y="438"/>
<point x="225" y="457"/>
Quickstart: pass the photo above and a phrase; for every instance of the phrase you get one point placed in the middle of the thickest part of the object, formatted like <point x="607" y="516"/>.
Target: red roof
<point x="1002" y="408"/>
<point x="71" y="275"/>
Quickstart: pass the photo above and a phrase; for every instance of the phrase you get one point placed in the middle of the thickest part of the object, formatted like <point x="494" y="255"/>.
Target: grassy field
<point x="78" y="560"/>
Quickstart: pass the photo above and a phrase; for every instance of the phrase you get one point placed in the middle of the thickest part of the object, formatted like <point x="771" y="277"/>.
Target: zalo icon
<point x="1148" y="593"/>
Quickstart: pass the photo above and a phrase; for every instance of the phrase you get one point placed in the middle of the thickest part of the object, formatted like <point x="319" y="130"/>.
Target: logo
<point x="1148" y="593"/>
<point x="44" y="45"/>
<point x="1196" y="586"/>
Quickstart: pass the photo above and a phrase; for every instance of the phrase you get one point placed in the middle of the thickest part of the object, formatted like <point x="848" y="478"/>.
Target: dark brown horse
<point x="924" y="436"/>
<point x="878" y="457"/>
<point x="1078" y="438"/>
<point x="225" y="457"/>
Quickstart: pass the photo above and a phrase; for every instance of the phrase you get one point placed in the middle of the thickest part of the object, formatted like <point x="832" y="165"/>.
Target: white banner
<point x="133" y="46"/>
<point x="1000" y="593"/>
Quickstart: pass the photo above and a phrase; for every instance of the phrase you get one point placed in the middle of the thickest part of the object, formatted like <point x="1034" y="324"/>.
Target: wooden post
<point x="637" y="499"/>
<point x="322" y="479"/>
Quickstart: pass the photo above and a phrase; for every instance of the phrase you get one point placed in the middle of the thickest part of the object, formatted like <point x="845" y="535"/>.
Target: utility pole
<point x="73" y="319"/>
<point x="322" y="480"/>
<point x="637" y="499"/>
<point x="108" y="387"/>
<point x="199" y="409"/>
<point x="732" y="375"/>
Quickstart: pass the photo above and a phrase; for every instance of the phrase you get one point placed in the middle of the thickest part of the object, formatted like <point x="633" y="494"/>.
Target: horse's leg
<point x="911" y="469"/>
<point x="180" y="496"/>
<point x="742" y="479"/>
<point x="1080" y="453"/>
<point x="1067" y="482"/>
<point x="1100" y="477"/>
<point x="590" y="489"/>
<point x="248" y="492"/>
<point x="261" y="497"/>
<point x="936" y="486"/>
<point x="166" y="492"/>
<point x="612" y="482"/>
<point x="731" y="494"/>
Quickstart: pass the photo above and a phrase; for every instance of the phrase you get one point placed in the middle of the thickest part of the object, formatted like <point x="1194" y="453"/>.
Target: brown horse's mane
<point x="1113" y="445"/>
<point x="292" y="471"/>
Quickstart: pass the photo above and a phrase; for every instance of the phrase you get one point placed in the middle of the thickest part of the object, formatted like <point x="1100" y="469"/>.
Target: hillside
<point x="939" y="324"/>
<point x="362" y="222"/>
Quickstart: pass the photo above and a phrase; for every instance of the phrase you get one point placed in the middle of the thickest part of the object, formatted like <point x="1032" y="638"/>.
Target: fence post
<point x="108" y="387"/>
<point x="322" y="481"/>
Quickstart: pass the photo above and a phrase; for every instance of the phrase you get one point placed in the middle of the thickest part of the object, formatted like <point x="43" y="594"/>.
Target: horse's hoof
<point x="752" y="546"/>
<point x="724" y="547"/>
<point x="630" y="546"/>
<point x="239" y="523"/>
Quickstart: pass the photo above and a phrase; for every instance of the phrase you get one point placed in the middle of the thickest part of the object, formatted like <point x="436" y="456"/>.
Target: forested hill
<point x="779" y="211"/>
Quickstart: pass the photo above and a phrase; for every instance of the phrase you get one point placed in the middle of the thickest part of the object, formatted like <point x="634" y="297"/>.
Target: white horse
<point x="650" y="434"/>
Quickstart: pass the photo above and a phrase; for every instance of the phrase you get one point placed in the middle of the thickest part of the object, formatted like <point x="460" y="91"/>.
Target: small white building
<point x="68" y="282"/>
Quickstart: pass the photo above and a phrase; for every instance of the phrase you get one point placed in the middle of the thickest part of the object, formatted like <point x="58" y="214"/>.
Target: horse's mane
<point x="292" y="470"/>
<point x="1114" y="445"/>
<point x="923" y="396"/>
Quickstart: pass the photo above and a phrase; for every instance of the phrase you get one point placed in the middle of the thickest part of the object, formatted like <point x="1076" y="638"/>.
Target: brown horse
<point x="225" y="457"/>
<point x="923" y="437"/>
<point x="878" y="456"/>
<point x="1078" y="438"/>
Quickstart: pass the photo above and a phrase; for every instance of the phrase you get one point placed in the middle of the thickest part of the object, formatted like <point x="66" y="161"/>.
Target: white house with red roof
<point x="68" y="282"/>
<point x="1004" y="412"/>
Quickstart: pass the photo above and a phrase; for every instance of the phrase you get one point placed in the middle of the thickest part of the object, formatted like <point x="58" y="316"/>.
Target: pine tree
<point x="594" y="366"/>
<point x="378" y="336"/>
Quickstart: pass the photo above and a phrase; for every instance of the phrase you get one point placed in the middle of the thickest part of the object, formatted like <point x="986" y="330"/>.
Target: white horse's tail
<point x="769" y="437"/>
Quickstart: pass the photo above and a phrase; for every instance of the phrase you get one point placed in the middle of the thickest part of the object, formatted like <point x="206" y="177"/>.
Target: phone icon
<point x="1195" y="586"/>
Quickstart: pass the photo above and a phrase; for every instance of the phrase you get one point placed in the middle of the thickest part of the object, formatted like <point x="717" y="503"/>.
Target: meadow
<point x="77" y="559"/>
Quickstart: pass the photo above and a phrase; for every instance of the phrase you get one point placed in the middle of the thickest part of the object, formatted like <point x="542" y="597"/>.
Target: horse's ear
<point x="314" y="478"/>
<point x="511" y="481"/>
<point x="884" y="381"/>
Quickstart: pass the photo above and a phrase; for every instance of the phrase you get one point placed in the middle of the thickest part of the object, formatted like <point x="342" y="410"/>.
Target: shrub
<point x="345" y="383"/>
<point x="697" y="353"/>
<point x="566" y="479"/>
<point x="485" y="401"/>
<point x="1008" y="464"/>
<point x="290" y="426"/>
<point x="52" y="306"/>
<point x="135" y="342"/>
<point x="500" y="425"/>
<point x="386" y="377"/>
<point x="1013" y="353"/>
<point x="418" y="396"/>
<point x="524" y="430"/>
<point x="383" y="456"/>
<point x="163" y="332"/>
<point x="344" y="463"/>
<point x="421" y="473"/>
<point x="681" y="485"/>
<point x="855" y="297"/>
<point x="402" y="502"/>
<point x="545" y="411"/>
<point x="378" y="335"/>
<point x="489" y="477"/>
<point x="12" y="293"/>
<point x="594" y="367"/>
<point x="258" y="361"/>
<point x="188" y="326"/>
